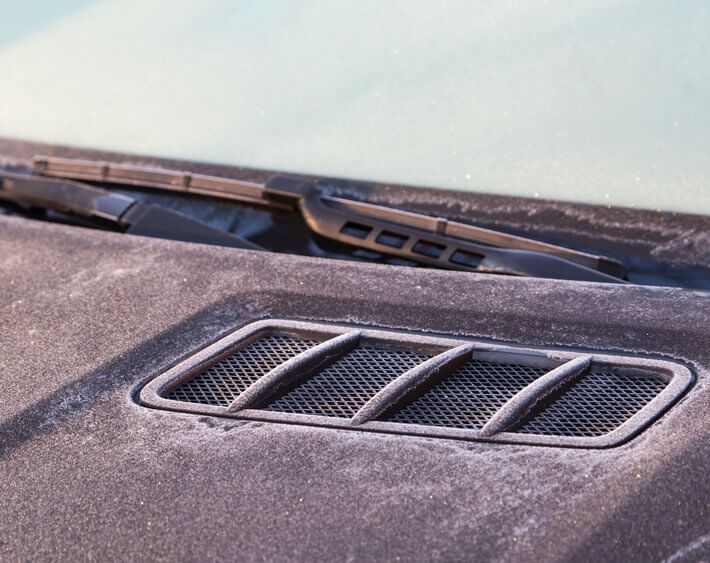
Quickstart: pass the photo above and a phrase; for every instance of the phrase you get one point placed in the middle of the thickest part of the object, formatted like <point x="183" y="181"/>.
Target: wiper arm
<point x="429" y="240"/>
<point x="121" y="211"/>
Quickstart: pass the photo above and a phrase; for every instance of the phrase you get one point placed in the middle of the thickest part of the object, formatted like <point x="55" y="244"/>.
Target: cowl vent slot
<point x="470" y="396"/>
<point x="344" y="387"/>
<point x="404" y="383"/>
<point x="224" y="381"/>
<point x="596" y="405"/>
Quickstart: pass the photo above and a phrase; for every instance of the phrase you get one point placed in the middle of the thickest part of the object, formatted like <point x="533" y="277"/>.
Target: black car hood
<point x="87" y="317"/>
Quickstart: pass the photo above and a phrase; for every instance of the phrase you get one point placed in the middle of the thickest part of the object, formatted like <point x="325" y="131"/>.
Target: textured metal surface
<point x="595" y="405"/>
<point x="346" y="385"/>
<point x="469" y="397"/>
<point x="221" y="383"/>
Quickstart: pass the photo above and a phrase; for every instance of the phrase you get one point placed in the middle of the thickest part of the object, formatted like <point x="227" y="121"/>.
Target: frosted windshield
<point x="600" y="102"/>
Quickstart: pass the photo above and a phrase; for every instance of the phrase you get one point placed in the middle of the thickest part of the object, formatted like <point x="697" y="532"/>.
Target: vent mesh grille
<point x="597" y="404"/>
<point x="597" y="410"/>
<point x="469" y="397"/>
<point x="344" y="387"/>
<point x="221" y="383"/>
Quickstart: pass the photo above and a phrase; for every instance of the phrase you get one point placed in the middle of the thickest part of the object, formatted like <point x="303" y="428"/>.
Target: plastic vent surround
<point x="403" y="383"/>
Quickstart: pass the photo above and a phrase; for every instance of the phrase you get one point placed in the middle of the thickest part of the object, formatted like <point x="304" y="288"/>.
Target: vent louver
<point x="371" y="380"/>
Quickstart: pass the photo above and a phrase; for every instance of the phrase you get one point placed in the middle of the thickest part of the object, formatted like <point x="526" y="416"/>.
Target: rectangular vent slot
<point x="468" y="397"/>
<point x="345" y="386"/>
<point x="222" y="382"/>
<point x="596" y="405"/>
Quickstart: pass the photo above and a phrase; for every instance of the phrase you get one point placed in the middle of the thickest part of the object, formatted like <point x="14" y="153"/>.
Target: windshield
<point x="598" y="102"/>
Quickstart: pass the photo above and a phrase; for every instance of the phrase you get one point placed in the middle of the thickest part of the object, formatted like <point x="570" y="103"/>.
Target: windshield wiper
<point x="429" y="240"/>
<point x="123" y="212"/>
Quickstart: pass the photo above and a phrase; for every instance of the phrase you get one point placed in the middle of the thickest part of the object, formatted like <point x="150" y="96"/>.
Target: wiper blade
<point x="421" y="238"/>
<point x="121" y="211"/>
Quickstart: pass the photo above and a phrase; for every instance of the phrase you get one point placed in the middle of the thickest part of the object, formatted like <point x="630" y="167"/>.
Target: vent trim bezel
<point x="679" y="379"/>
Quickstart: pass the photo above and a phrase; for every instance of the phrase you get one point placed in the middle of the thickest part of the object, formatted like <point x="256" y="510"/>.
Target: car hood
<point x="88" y="317"/>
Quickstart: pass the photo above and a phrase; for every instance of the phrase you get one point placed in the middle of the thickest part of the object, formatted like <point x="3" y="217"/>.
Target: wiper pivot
<point x="124" y="212"/>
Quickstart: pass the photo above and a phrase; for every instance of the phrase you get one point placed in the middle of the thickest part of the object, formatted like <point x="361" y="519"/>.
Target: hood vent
<point x="382" y="381"/>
